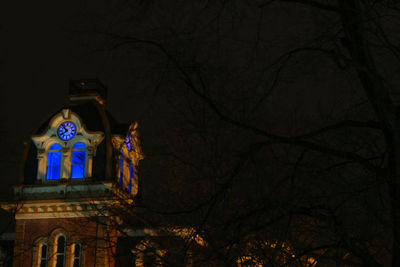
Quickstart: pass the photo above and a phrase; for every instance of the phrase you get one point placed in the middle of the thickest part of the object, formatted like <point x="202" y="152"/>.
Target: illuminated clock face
<point x="66" y="131"/>
<point x="128" y="142"/>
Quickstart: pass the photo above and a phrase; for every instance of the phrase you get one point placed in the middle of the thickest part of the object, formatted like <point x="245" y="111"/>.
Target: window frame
<point x="121" y="170"/>
<point x="50" y="152"/>
<point x="131" y="175"/>
<point x="57" y="253"/>
<point x="66" y="157"/>
<point x="40" y="258"/>
<point x="85" y="150"/>
<point x="74" y="257"/>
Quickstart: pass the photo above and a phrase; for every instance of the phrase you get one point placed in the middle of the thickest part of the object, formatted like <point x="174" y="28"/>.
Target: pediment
<point x="50" y="135"/>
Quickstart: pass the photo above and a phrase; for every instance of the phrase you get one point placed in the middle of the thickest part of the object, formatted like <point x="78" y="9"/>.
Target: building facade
<point x="77" y="166"/>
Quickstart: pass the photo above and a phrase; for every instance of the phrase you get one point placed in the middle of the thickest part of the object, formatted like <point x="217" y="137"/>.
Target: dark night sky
<point x="40" y="52"/>
<point x="39" y="55"/>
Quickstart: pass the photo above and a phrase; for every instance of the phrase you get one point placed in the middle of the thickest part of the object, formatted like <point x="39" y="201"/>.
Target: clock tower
<point x="76" y="165"/>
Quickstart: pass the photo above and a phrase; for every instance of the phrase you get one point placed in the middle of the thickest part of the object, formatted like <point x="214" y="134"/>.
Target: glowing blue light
<point x="79" y="146"/>
<point x="128" y="142"/>
<point x="130" y="177"/>
<point x="66" y="131"/>
<point x="53" y="164"/>
<point x="78" y="161"/>
<point x="55" y="147"/>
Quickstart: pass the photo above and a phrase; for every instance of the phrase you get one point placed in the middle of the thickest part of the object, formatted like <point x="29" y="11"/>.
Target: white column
<point x="66" y="161"/>
<point x="41" y="172"/>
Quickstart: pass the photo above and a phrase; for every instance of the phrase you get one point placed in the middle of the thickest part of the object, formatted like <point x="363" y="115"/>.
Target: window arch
<point x="53" y="162"/>
<point x="78" y="160"/>
<point x="60" y="252"/>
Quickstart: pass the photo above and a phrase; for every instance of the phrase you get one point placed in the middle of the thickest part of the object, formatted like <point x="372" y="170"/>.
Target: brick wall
<point x="89" y="232"/>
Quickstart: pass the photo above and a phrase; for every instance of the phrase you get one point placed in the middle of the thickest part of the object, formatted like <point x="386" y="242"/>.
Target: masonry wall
<point x="92" y="235"/>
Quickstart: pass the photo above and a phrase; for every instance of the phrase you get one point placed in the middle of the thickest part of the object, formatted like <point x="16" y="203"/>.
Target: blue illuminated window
<point x="130" y="177"/>
<point x="121" y="170"/>
<point x="53" y="162"/>
<point x="78" y="160"/>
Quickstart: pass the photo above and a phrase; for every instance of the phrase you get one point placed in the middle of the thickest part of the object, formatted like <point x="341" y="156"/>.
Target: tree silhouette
<point x="282" y="122"/>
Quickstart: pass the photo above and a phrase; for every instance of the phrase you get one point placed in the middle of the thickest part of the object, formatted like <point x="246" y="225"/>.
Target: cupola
<point x="83" y="143"/>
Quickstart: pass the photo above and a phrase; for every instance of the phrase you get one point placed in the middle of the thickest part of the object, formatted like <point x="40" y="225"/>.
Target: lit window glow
<point x="78" y="161"/>
<point x="130" y="177"/>
<point x="66" y="131"/>
<point x="54" y="162"/>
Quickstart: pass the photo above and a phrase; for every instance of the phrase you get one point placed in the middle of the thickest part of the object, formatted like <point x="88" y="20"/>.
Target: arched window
<point x="77" y="255"/>
<point x="53" y="162"/>
<point x="43" y="255"/>
<point x="60" y="251"/>
<point x="78" y="161"/>
<point x="130" y="177"/>
<point x="121" y="170"/>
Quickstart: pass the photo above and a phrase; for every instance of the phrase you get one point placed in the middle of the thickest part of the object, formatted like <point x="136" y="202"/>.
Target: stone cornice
<point x="64" y="190"/>
<point x="80" y="200"/>
<point x="51" y="209"/>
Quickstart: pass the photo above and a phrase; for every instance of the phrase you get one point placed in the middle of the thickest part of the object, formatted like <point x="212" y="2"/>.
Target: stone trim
<point x="60" y="209"/>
